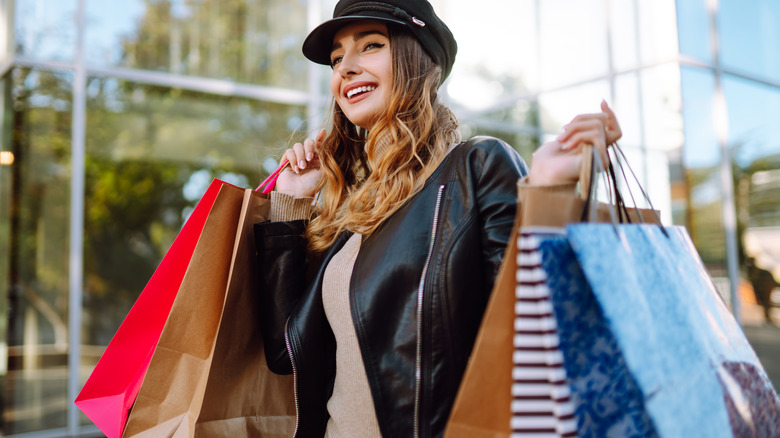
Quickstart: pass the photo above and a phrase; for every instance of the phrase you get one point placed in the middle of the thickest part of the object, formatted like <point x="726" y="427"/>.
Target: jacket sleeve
<point x="281" y="265"/>
<point x="497" y="169"/>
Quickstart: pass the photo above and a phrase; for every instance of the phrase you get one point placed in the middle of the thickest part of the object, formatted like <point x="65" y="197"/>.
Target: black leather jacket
<point x="417" y="293"/>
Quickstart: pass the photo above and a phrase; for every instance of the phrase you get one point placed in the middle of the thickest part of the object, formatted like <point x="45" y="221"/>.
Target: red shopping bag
<point x="113" y="386"/>
<point x="111" y="389"/>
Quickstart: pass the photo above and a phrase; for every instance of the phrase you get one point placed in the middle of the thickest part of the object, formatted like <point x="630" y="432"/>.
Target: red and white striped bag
<point x="541" y="398"/>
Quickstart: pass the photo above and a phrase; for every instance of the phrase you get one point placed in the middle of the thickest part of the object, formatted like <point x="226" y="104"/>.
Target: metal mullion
<point x="693" y="62"/>
<point x="192" y="83"/>
<point x="76" y="256"/>
<point x="204" y="85"/>
<point x="314" y="101"/>
<point x="49" y="65"/>
<point x="728" y="205"/>
<point x="641" y="98"/>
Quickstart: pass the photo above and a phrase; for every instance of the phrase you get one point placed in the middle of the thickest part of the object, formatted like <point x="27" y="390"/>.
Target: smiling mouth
<point x="360" y="90"/>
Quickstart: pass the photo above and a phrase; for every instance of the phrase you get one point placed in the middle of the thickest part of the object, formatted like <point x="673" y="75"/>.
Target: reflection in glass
<point x="753" y="114"/>
<point x="559" y="107"/>
<point x="623" y="35"/>
<point x="749" y="35"/>
<point x="661" y="98"/>
<point x="702" y="167"/>
<point x="572" y="41"/>
<point x="626" y="107"/>
<point x="515" y="123"/>
<point x="34" y="218"/>
<point x="511" y="58"/>
<point x="250" y="41"/>
<point x="754" y="141"/>
<point x="658" y="33"/>
<point x="151" y="153"/>
<point x="46" y="29"/>
<point x="693" y="26"/>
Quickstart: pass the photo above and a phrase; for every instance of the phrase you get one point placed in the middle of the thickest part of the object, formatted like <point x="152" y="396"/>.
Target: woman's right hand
<point x="303" y="175"/>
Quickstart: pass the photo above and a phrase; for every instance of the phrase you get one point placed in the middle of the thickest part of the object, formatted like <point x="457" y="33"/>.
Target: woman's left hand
<point x="559" y="161"/>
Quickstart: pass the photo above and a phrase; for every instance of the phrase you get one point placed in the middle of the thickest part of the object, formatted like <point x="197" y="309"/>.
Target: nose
<point x="349" y="65"/>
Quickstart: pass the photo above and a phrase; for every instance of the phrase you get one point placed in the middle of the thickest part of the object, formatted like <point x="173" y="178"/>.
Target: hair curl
<point x="360" y="188"/>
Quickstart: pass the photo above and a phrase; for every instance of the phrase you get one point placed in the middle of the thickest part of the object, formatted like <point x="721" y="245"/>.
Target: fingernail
<point x="309" y="156"/>
<point x="295" y="169"/>
<point x="302" y="164"/>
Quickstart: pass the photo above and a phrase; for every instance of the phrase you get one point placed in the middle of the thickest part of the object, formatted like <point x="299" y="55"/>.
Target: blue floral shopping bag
<point x="649" y="346"/>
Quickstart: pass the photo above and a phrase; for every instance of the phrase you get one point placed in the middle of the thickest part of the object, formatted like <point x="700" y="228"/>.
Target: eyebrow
<point x="358" y="36"/>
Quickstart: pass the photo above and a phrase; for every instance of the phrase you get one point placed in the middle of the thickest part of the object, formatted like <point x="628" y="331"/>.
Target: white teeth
<point x="357" y="90"/>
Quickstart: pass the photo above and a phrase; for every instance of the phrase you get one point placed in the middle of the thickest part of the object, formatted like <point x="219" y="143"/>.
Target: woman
<point x="374" y="303"/>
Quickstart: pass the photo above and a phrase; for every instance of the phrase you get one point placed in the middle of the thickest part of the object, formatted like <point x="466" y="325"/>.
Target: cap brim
<point x="316" y="46"/>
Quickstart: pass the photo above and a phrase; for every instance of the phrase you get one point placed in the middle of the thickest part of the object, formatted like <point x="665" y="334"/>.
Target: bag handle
<point x="622" y="165"/>
<point x="269" y="183"/>
<point x="592" y="165"/>
<point x="595" y="165"/>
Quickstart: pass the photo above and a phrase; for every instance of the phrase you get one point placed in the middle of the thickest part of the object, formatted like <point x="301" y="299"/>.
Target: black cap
<point x="416" y="15"/>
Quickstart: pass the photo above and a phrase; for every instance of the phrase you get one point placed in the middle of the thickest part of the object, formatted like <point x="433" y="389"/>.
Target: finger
<point x="578" y="139"/>
<point x="613" y="127"/>
<point x="584" y="125"/>
<point x="300" y="156"/>
<point x="308" y="150"/>
<point x="320" y="138"/>
<point x="590" y="116"/>
<point x="289" y="155"/>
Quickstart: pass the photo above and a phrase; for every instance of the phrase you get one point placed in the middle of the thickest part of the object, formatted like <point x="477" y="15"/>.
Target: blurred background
<point x="115" y="116"/>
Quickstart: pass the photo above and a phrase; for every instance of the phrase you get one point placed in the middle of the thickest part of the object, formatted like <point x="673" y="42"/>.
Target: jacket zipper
<point x="420" y="295"/>
<point x="295" y="375"/>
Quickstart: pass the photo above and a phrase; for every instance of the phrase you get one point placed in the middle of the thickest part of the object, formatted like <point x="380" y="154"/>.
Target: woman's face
<point x="362" y="71"/>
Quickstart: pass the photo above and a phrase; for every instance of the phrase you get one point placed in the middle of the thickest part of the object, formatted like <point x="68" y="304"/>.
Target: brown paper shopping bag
<point x="481" y="408"/>
<point x="208" y="376"/>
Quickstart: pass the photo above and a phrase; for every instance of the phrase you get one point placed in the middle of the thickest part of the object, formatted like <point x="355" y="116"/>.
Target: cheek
<point x="335" y="84"/>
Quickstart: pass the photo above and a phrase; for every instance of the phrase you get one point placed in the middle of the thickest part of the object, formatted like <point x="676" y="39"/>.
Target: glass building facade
<point x="115" y="116"/>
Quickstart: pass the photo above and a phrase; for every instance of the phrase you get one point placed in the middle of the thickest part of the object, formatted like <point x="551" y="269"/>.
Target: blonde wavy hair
<point x="360" y="189"/>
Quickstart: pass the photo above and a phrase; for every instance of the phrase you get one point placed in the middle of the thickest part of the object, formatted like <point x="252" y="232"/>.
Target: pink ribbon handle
<point x="270" y="182"/>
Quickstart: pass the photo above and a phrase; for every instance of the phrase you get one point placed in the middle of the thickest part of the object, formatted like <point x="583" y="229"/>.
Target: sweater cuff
<point x="285" y="208"/>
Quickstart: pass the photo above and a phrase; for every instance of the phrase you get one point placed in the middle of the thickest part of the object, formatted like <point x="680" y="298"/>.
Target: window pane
<point x="648" y="133"/>
<point x="750" y="36"/>
<point x="509" y="58"/>
<point x="626" y="106"/>
<point x="517" y="124"/>
<point x="661" y="98"/>
<point x="251" y="41"/>
<point x="624" y="31"/>
<point x="559" y="107"/>
<point x="46" y="29"/>
<point x="34" y="223"/>
<point x="658" y="32"/>
<point x="701" y="157"/>
<point x="693" y="25"/>
<point x="754" y="141"/>
<point x="151" y="153"/>
<point x="573" y="41"/>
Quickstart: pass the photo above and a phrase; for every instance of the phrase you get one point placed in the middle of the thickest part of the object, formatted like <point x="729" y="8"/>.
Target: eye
<point x="373" y="45"/>
<point x="335" y="61"/>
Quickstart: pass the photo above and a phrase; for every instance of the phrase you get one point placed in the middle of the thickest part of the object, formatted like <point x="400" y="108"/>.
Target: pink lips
<point x="361" y="94"/>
